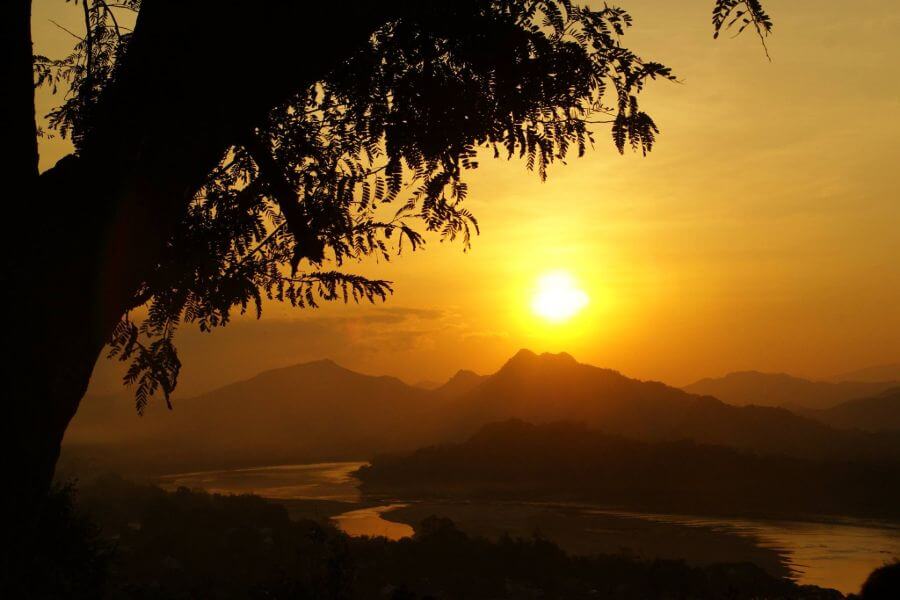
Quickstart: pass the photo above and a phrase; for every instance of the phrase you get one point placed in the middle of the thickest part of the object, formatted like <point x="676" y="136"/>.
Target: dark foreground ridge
<point x="147" y="543"/>
<point x="566" y="461"/>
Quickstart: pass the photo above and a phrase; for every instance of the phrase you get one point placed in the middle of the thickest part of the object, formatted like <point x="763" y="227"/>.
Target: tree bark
<point x="17" y="100"/>
<point x="197" y="77"/>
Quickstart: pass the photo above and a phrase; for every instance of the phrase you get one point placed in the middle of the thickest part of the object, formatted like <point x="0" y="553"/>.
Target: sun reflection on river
<point x="368" y="522"/>
<point x="838" y="554"/>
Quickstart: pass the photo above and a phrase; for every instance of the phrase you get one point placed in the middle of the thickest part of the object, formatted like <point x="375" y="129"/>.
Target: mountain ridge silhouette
<point x="874" y="413"/>
<point x="320" y="410"/>
<point x="884" y="372"/>
<point x="784" y="390"/>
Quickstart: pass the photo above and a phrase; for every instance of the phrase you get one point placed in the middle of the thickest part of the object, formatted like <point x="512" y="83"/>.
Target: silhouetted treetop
<point x="368" y="157"/>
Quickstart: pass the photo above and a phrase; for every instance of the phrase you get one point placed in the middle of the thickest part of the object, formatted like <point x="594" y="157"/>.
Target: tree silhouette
<point x="227" y="153"/>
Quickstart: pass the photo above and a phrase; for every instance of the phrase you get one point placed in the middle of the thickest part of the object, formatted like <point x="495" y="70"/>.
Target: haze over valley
<point x="321" y="411"/>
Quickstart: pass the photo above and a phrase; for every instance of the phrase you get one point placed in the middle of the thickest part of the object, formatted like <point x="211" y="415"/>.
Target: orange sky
<point x="761" y="233"/>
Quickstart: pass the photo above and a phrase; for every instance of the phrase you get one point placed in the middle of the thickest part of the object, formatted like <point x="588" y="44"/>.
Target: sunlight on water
<point x="831" y="555"/>
<point x="369" y="522"/>
<point x="838" y="554"/>
<point x="319" y="481"/>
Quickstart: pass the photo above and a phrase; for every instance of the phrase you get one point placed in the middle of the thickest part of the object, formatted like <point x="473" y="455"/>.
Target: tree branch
<point x="307" y="244"/>
<point x="88" y="48"/>
<point x="69" y="31"/>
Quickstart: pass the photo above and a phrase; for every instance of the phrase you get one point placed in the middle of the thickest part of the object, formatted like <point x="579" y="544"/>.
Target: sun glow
<point x="558" y="297"/>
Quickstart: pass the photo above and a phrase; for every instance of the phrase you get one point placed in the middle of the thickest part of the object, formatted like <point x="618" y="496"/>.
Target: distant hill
<point x="890" y="372"/>
<point x="461" y="383"/>
<point x="308" y="412"/>
<point x="321" y="411"/>
<point x="554" y="387"/>
<point x="778" y="389"/>
<point x="877" y="413"/>
<point x="569" y="462"/>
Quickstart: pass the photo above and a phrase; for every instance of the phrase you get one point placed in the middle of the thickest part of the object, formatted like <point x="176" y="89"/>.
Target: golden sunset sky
<point x="763" y="232"/>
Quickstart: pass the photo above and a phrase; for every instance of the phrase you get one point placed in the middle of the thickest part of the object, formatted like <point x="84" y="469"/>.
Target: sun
<point x="558" y="297"/>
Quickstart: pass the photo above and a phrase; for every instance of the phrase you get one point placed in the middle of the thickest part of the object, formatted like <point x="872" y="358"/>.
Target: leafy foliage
<point x="66" y="556"/>
<point x="86" y="71"/>
<point x="741" y="14"/>
<point x="366" y="161"/>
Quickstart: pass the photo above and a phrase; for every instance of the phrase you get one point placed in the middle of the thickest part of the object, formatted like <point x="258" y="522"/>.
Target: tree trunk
<point x="17" y="100"/>
<point x="84" y="235"/>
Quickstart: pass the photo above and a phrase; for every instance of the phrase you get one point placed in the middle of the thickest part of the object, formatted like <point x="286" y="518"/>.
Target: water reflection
<point x="319" y="481"/>
<point x="838" y="554"/>
<point x="369" y="522"/>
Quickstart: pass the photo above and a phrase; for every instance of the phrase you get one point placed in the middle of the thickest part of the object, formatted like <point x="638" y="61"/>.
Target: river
<point x="835" y="553"/>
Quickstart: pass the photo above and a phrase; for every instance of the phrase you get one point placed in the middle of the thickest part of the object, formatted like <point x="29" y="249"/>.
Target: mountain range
<point x="321" y="411"/>
<point x="876" y="413"/>
<point x="888" y="372"/>
<point x="779" y="389"/>
<point x="555" y="387"/>
<point x="307" y="412"/>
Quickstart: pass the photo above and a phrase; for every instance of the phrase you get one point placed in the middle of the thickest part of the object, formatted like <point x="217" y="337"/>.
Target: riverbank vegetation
<point x="116" y="539"/>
